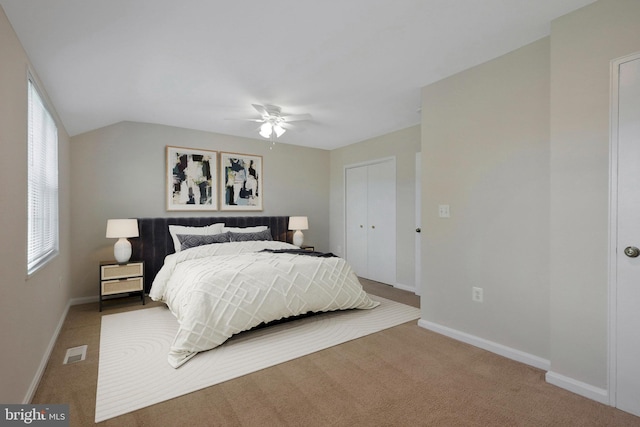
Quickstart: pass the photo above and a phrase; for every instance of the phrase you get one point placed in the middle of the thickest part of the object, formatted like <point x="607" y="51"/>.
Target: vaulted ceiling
<point x="356" y="66"/>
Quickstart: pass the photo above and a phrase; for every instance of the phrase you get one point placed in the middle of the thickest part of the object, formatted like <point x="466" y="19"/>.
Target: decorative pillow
<point x="174" y="230"/>
<point x="248" y="236"/>
<point x="245" y="229"/>
<point x="192" y="240"/>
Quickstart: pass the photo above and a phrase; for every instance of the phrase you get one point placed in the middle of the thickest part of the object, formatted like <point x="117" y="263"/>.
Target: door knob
<point x="418" y="230"/>
<point x="631" y="251"/>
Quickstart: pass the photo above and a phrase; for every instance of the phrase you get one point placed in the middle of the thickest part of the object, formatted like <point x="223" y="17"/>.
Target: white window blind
<point x="42" y="190"/>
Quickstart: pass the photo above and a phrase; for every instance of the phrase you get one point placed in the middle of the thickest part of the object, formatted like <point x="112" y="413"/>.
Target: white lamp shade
<point x="117" y="228"/>
<point x="298" y="223"/>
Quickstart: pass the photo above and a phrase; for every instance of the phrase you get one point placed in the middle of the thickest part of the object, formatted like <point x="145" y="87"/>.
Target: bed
<point x="232" y="274"/>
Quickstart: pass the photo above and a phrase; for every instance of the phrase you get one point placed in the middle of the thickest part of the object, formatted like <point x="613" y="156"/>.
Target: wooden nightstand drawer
<point x="118" y="271"/>
<point x="111" y="287"/>
<point x="125" y="279"/>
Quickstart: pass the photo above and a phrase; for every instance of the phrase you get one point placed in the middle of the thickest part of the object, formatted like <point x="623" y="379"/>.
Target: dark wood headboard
<point x="155" y="243"/>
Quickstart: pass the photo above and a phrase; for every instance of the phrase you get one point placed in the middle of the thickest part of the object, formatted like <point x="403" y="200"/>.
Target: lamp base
<point x="122" y="250"/>
<point x="298" y="238"/>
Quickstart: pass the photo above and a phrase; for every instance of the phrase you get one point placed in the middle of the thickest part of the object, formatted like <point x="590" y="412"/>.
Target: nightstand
<point x="119" y="279"/>
<point x="308" y="248"/>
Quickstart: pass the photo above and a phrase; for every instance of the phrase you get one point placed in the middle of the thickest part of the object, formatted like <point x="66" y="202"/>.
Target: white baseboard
<point x="45" y="357"/>
<point x="585" y="390"/>
<point x="405" y="287"/>
<point x="83" y="300"/>
<point x="47" y="354"/>
<point x="590" y="392"/>
<point x="502" y="350"/>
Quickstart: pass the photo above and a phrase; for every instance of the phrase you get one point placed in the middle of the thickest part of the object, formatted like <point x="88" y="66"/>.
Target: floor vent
<point x="75" y="354"/>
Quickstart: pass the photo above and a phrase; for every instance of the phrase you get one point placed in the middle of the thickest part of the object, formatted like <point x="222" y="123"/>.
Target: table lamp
<point x="121" y="229"/>
<point x="298" y="223"/>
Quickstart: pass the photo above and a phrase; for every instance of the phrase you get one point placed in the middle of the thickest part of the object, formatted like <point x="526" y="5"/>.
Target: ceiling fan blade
<point x="245" y="120"/>
<point x="260" y="109"/>
<point x="296" y="117"/>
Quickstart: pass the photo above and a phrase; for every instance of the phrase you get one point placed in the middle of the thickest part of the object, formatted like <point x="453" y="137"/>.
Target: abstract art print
<point x="240" y="182"/>
<point x="191" y="179"/>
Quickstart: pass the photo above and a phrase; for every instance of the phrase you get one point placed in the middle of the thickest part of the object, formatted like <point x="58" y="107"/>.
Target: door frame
<point x="613" y="224"/>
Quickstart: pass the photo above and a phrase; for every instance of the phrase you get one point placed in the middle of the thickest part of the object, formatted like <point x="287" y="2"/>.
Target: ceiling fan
<point x="274" y="123"/>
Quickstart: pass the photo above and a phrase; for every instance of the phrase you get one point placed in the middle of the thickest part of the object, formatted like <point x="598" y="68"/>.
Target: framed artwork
<point x="191" y="179"/>
<point x="240" y="182"/>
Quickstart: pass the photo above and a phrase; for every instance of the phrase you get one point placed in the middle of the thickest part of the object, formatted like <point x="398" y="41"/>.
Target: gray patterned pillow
<point x="192" y="240"/>
<point x="245" y="237"/>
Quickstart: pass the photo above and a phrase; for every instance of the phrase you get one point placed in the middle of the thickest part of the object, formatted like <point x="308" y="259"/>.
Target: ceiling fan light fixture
<point x="266" y="130"/>
<point x="273" y="121"/>
<point x="279" y="130"/>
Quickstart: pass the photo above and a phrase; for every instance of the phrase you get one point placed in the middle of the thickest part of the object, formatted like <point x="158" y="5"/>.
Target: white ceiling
<point x="356" y="66"/>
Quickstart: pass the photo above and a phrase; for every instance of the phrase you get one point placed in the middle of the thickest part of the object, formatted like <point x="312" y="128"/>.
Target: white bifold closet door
<point x="371" y="220"/>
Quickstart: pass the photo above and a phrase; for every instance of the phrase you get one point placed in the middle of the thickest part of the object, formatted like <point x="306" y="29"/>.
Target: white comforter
<point x="218" y="290"/>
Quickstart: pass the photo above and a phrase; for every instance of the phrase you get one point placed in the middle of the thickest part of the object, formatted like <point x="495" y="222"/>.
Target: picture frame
<point x="241" y="182"/>
<point x="191" y="179"/>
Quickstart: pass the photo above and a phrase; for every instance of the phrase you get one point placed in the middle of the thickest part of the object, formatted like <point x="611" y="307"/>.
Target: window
<point x="42" y="191"/>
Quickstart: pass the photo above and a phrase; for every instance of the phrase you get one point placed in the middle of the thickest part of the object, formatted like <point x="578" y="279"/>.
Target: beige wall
<point x="403" y="145"/>
<point x="583" y="45"/>
<point x="485" y="152"/>
<point x="30" y="309"/>
<point x="519" y="147"/>
<point x="119" y="172"/>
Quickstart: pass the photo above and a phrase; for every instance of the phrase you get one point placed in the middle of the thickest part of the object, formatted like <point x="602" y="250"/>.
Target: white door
<point x="356" y="219"/>
<point x="381" y="235"/>
<point x="370" y="220"/>
<point x="626" y="311"/>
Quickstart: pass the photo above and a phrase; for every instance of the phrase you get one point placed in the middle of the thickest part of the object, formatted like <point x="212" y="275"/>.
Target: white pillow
<point x="245" y="229"/>
<point x="174" y="230"/>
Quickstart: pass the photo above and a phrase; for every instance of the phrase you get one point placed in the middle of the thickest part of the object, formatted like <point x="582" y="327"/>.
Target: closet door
<point x="371" y="220"/>
<point x="356" y="219"/>
<point x="381" y="221"/>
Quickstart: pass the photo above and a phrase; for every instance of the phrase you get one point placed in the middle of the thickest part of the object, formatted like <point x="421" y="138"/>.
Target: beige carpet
<point x="134" y="373"/>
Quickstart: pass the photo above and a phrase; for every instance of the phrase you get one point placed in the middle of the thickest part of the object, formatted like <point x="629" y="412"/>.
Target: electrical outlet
<point x="443" y="211"/>
<point x="476" y="294"/>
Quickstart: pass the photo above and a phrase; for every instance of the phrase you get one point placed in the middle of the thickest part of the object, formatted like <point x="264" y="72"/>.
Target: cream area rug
<point x="133" y="371"/>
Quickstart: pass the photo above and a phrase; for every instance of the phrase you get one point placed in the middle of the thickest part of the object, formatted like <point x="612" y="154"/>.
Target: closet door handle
<point x="632" y="252"/>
